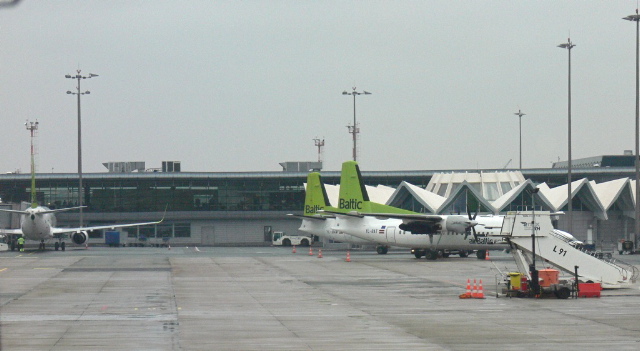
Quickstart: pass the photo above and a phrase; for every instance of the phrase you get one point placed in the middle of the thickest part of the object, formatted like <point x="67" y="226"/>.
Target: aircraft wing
<point x="408" y="217"/>
<point x="11" y="231"/>
<point x="23" y="212"/>
<point x="112" y="226"/>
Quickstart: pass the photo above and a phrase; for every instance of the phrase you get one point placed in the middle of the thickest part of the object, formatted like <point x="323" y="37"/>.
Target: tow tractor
<point x="282" y="239"/>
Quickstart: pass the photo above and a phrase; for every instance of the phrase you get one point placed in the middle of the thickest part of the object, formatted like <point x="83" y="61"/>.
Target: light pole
<point x="520" y="114"/>
<point x="78" y="76"/>
<point x="354" y="129"/>
<point x="636" y="18"/>
<point x="569" y="45"/>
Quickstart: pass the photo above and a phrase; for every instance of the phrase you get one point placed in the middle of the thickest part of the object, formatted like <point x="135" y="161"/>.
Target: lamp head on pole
<point x="568" y="45"/>
<point x="633" y="18"/>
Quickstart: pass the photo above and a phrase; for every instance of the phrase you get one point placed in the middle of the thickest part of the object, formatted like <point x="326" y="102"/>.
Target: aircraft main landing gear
<point x="59" y="245"/>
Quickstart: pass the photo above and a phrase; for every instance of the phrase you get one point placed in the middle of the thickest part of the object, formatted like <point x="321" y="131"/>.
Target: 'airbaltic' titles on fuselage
<point x="351" y="204"/>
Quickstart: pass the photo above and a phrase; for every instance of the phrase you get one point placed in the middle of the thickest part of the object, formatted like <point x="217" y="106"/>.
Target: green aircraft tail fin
<point x="316" y="196"/>
<point x="354" y="196"/>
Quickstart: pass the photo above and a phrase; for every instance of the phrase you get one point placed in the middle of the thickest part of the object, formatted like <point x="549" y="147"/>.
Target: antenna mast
<point x="32" y="127"/>
<point x="320" y="144"/>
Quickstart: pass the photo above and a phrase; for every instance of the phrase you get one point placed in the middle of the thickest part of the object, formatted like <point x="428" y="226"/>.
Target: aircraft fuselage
<point x="36" y="225"/>
<point x="388" y="232"/>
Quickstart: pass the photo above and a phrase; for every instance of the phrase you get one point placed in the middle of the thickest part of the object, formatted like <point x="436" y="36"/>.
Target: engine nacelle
<point x="459" y="224"/>
<point x="79" y="238"/>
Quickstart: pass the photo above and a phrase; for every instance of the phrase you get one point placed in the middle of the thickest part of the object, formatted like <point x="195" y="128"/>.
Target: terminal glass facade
<point x="152" y="194"/>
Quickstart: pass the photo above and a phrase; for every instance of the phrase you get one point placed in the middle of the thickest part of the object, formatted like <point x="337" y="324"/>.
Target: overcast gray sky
<point x="244" y="85"/>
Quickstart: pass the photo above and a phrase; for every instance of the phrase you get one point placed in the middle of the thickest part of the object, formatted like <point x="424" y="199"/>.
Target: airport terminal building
<point x="224" y="209"/>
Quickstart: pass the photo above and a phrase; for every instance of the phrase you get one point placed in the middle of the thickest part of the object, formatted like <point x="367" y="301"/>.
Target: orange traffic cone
<point x="486" y="257"/>
<point x="474" y="293"/>
<point x="294" y="249"/>
<point x="348" y="257"/>
<point x="310" y="251"/>
<point x="480" y="293"/>
<point x="467" y="295"/>
<point x="319" y="253"/>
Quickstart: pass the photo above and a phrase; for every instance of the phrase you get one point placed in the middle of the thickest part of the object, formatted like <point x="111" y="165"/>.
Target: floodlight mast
<point x="569" y="45"/>
<point x="78" y="76"/>
<point x="520" y="114"/>
<point x="354" y="130"/>
<point x="636" y="18"/>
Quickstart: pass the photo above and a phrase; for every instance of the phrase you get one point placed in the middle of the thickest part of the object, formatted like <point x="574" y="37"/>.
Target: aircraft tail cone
<point x="319" y="253"/>
<point x="294" y="249"/>
<point x="480" y="293"/>
<point x="348" y="256"/>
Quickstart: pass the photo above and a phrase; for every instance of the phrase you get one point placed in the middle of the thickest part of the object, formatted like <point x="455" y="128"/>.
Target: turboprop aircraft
<point x="425" y="234"/>
<point x="39" y="223"/>
<point x="320" y="224"/>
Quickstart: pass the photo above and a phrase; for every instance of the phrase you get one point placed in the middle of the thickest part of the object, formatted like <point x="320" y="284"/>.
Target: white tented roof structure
<point x="499" y="192"/>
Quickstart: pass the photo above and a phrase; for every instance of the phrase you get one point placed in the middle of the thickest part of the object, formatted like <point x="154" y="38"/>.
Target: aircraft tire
<point x="56" y="246"/>
<point x="481" y="254"/>
<point x="62" y="246"/>
<point x="381" y="250"/>
<point x="563" y="293"/>
<point x="463" y="253"/>
<point x="418" y="254"/>
<point x="431" y="255"/>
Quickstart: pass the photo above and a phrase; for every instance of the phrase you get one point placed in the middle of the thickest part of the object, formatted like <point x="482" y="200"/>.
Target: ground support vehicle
<point x="282" y="239"/>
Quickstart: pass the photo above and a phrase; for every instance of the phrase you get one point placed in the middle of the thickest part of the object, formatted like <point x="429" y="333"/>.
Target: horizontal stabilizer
<point x="344" y="214"/>
<point x="317" y="217"/>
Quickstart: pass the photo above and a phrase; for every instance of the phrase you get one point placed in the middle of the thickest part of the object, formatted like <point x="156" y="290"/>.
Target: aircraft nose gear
<point x="41" y="246"/>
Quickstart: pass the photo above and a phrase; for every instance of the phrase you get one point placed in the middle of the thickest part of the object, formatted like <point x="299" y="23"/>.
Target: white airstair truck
<point x="560" y="250"/>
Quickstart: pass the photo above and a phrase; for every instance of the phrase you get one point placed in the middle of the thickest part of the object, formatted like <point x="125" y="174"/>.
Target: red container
<point x="524" y="284"/>
<point x="589" y="289"/>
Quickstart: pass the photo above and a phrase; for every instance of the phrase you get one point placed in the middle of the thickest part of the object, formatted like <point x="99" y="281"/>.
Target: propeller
<point x="472" y="218"/>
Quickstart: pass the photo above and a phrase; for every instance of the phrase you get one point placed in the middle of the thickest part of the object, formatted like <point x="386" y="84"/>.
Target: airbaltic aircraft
<point x="320" y="224"/>
<point x="38" y="223"/>
<point x="425" y="234"/>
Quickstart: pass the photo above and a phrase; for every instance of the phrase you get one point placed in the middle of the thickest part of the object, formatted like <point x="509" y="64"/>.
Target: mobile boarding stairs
<point x="560" y="251"/>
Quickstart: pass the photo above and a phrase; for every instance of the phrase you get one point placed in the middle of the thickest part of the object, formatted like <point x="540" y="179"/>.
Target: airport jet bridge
<point x="557" y="248"/>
